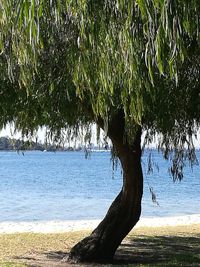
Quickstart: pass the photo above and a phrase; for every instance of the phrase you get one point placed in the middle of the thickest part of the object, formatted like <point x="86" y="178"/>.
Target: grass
<point x="28" y="247"/>
<point x="144" y="247"/>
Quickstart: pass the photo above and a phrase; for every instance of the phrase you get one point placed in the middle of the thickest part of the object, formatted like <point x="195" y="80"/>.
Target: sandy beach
<point x="71" y="226"/>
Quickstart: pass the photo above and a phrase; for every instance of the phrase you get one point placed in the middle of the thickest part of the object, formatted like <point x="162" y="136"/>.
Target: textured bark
<point x="124" y="212"/>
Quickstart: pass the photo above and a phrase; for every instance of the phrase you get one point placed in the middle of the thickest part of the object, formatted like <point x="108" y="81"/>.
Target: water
<point x="65" y="186"/>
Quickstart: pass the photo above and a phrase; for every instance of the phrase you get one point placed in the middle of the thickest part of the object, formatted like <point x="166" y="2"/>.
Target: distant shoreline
<point x="79" y="225"/>
<point x="75" y="150"/>
<point x="12" y="144"/>
<point x="54" y="151"/>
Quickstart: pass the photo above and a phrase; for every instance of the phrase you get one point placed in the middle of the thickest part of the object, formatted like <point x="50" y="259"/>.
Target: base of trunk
<point x="101" y="245"/>
<point x="89" y="250"/>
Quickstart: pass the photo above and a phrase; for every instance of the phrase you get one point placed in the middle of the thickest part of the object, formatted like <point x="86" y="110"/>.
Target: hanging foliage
<point x="67" y="63"/>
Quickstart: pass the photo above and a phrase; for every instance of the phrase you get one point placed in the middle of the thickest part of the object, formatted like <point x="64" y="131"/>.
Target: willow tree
<point x="128" y="66"/>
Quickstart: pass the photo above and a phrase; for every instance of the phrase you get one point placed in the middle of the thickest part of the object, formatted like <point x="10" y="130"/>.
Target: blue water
<point x="65" y="186"/>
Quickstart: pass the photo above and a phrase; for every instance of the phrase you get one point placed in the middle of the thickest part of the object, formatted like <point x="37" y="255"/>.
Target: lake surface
<point x="65" y="186"/>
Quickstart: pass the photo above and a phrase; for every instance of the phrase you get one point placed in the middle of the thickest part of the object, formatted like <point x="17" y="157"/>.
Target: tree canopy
<point x="128" y="66"/>
<point x="71" y="63"/>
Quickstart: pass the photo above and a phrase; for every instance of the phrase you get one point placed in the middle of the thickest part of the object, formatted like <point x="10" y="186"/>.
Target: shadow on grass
<point x="160" y="251"/>
<point x="140" y="251"/>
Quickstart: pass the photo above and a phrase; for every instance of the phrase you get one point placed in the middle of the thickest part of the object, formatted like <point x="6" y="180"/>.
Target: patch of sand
<point x="71" y="226"/>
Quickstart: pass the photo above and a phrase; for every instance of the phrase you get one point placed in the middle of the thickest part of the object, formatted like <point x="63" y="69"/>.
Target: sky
<point x="8" y="132"/>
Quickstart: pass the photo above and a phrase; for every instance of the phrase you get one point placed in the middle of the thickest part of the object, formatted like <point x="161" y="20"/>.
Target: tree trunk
<point x="124" y="212"/>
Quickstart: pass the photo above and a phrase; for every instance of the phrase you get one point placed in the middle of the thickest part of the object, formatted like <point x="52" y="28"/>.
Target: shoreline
<point x="79" y="225"/>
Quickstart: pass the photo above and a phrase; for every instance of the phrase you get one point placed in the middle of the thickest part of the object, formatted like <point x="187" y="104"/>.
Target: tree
<point x="128" y="66"/>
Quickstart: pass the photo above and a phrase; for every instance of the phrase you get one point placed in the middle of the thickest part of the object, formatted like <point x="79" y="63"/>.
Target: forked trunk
<point x="124" y="212"/>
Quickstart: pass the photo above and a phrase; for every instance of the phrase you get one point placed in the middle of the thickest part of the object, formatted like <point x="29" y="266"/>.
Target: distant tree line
<point x="7" y="143"/>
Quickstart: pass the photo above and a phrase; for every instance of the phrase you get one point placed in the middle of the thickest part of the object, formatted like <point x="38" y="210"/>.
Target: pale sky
<point x="8" y="131"/>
